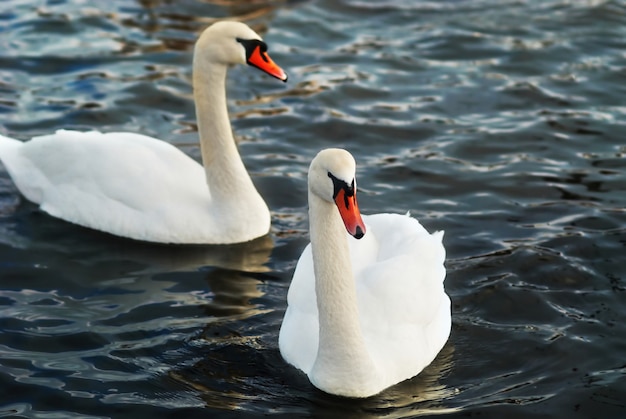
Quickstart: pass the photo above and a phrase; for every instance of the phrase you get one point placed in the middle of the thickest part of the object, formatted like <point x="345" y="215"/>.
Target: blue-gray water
<point x="500" y="122"/>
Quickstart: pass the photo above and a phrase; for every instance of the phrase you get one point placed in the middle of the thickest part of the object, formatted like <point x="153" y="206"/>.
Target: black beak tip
<point x="359" y="233"/>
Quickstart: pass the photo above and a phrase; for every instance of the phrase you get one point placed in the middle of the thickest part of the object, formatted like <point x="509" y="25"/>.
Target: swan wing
<point x="299" y="332"/>
<point x="405" y="312"/>
<point x="122" y="183"/>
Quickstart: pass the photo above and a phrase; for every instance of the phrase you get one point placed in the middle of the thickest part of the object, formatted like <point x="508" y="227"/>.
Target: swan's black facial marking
<point x="339" y="185"/>
<point x="344" y="195"/>
<point x="250" y="45"/>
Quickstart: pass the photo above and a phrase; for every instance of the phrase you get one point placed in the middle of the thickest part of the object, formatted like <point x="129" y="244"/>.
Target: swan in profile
<point x="363" y="314"/>
<point x="142" y="188"/>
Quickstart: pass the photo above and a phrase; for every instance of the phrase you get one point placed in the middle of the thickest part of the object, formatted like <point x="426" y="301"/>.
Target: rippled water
<point x="500" y="122"/>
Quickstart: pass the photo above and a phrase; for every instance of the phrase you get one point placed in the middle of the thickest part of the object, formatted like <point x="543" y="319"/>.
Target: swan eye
<point x="251" y="44"/>
<point x="339" y="185"/>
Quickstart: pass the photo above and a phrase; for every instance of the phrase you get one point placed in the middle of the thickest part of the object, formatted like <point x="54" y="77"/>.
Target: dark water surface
<point x="500" y="122"/>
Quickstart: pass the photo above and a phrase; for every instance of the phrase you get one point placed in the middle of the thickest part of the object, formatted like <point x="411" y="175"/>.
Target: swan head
<point x="332" y="179"/>
<point x="229" y="42"/>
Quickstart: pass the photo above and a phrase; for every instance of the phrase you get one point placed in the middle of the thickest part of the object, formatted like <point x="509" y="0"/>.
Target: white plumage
<point x="387" y="314"/>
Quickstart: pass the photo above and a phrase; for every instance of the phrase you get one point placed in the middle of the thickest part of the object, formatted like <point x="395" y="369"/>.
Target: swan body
<point x="363" y="314"/>
<point x="139" y="187"/>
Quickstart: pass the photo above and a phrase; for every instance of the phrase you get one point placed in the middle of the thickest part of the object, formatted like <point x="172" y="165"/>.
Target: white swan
<point x="363" y="314"/>
<point x="135" y="186"/>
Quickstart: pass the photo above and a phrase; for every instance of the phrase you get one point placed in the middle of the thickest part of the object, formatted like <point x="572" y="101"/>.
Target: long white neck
<point x="225" y="171"/>
<point x="342" y="356"/>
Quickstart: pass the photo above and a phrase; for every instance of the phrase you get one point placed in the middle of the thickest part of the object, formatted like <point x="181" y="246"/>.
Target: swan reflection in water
<point x="250" y="376"/>
<point x="36" y="236"/>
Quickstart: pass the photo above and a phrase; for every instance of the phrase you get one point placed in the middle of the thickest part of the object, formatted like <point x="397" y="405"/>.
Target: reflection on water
<point x="55" y="239"/>
<point x="238" y="375"/>
<point x="498" y="122"/>
<point x="97" y="330"/>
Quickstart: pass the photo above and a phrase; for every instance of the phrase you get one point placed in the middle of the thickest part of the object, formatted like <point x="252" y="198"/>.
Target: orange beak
<point x="262" y="61"/>
<point x="350" y="214"/>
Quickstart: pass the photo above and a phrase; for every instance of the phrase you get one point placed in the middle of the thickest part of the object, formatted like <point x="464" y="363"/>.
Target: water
<point x="501" y="122"/>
